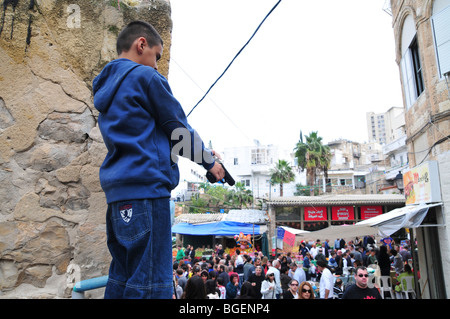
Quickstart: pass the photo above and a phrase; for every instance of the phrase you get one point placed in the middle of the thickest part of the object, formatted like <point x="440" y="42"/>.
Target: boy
<point x="138" y="117"/>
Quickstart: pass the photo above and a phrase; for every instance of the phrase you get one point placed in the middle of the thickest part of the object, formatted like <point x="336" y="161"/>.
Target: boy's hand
<point x="218" y="171"/>
<point x="216" y="154"/>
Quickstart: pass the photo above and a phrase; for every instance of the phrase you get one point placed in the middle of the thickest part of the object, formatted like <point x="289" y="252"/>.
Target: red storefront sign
<point x="315" y="213"/>
<point x="370" y="211"/>
<point x="342" y="213"/>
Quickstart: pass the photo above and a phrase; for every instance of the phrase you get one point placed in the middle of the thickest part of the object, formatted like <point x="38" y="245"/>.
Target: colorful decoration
<point x="243" y="241"/>
<point x="232" y="251"/>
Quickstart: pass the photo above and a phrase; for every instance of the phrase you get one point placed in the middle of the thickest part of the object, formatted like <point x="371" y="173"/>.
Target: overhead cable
<point x="226" y="69"/>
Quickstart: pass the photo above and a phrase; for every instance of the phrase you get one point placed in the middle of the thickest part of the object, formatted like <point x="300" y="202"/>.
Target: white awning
<point x="294" y="231"/>
<point x="382" y="225"/>
<point x="404" y="217"/>
<point x="345" y="231"/>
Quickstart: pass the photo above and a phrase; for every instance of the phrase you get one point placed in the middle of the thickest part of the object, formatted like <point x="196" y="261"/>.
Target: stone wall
<point x="433" y="104"/>
<point x="52" y="211"/>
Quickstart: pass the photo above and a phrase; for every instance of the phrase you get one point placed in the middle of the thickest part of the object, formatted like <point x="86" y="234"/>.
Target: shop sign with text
<point x="422" y="184"/>
<point x="316" y="213"/>
<point x="342" y="213"/>
<point x="371" y="211"/>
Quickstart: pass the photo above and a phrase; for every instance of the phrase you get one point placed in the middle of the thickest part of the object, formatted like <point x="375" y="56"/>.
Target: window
<point x="410" y="64"/>
<point x="287" y="213"/>
<point x="235" y="161"/>
<point x="440" y="23"/>
<point x="245" y="182"/>
<point x="259" y="156"/>
<point x="417" y="67"/>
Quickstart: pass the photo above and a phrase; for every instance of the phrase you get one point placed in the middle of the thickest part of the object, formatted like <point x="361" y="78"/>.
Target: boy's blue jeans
<point x="140" y="243"/>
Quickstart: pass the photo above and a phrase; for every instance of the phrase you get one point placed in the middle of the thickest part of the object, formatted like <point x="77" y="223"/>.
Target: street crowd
<point x="324" y="270"/>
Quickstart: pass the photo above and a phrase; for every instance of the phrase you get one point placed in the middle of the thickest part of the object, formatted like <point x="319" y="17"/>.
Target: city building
<point x="395" y="151"/>
<point x="376" y="127"/>
<point x="370" y="167"/>
<point x="191" y="176"/>
<point x="383" y="127"/>
<point x="355" y="168"/>
<point x="251" y="165"/>
<point x="422" y="38"/>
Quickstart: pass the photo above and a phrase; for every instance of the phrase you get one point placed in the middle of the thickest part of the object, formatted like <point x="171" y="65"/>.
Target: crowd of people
<point x="291" y="275"/>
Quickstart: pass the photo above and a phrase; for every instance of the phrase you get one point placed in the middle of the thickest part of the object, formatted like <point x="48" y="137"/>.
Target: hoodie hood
<point x="106" y="84"/>
<point x="270" y="271"/>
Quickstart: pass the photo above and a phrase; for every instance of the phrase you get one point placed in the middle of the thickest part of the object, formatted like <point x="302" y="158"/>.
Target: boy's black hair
<point x="134" y="30"/>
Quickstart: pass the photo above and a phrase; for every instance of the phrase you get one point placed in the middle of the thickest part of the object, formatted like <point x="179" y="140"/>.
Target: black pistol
<point x="227" y="179"/>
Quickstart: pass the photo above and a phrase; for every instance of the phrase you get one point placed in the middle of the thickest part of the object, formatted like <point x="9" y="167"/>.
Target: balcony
<point x="395" y="145"/>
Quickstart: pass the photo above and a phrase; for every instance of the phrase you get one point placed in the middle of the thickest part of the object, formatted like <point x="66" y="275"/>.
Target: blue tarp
<point x="223" y="228"/>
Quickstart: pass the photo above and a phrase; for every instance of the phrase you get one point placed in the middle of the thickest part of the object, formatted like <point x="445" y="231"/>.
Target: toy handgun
<point x="227" y="179"/>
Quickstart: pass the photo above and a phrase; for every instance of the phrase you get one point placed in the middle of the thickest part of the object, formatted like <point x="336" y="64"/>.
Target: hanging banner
<point x="280" y="233"/>
<point x="316" y="213"/>
<point x="342" y="213"/>
<point x="289" y="238"/>
<point x="422" y="184"/>
<point x="370" y="211"/>
<point x="274" y="245"/>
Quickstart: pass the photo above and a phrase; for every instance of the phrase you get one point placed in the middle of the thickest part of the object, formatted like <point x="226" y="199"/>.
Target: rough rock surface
<point x="52" y="213"/>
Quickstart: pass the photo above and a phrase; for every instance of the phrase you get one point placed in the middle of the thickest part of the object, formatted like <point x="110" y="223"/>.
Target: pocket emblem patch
<point x="126" y="212"/>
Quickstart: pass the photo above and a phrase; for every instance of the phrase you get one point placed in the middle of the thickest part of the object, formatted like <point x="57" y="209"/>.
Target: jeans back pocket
<point x="131" y="219"/>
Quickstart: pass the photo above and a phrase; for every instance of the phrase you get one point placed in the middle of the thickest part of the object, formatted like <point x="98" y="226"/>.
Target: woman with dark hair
<point x="247" y="291"/>
<point x="305" y="291"/>
<point x="232" y="286"/>
<point x="204" y="274"/>
<point x="292" y="291"/>
<point x="268" y="288"/>
<point x="195" y="288"/>
<point x="307" y="264"/>
<point x="212" y="291"/>
<point x="383" y="261"/>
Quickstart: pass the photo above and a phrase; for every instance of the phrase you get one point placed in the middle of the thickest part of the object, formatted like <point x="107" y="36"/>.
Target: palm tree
<point x="312" y="156"/>
<point x="240" y="195"/>
<point x="325" y="161"/>
<point x="282" y="174"/>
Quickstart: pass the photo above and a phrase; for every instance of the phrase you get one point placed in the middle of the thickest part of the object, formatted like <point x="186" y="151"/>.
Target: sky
<point x="312" y="66"/>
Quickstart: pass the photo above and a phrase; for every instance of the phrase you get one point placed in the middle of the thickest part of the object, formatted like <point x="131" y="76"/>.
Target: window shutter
<point x="408" y="79"/>
<point x="440" y="23"/>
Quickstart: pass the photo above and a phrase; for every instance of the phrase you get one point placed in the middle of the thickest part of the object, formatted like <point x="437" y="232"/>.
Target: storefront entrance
<point x="430" y="258"/>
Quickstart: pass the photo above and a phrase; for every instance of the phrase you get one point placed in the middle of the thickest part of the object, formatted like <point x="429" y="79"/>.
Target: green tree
<point x="240" y="195"/>
<point x="218" y="197"/>
<point x="198" y="205"/>
<point x="282" y="174"/>
<point x="313" y="157"/>
<point x="303" y="190"/>
<point x="325" y="161"/>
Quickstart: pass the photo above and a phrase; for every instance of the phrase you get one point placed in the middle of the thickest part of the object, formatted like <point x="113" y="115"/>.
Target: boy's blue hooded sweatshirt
<point x="138" y="114"/>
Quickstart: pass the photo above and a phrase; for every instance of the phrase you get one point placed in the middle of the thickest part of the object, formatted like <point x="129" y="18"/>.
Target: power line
<point x="239" y="52"/>
<point x="193" y="81"/>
